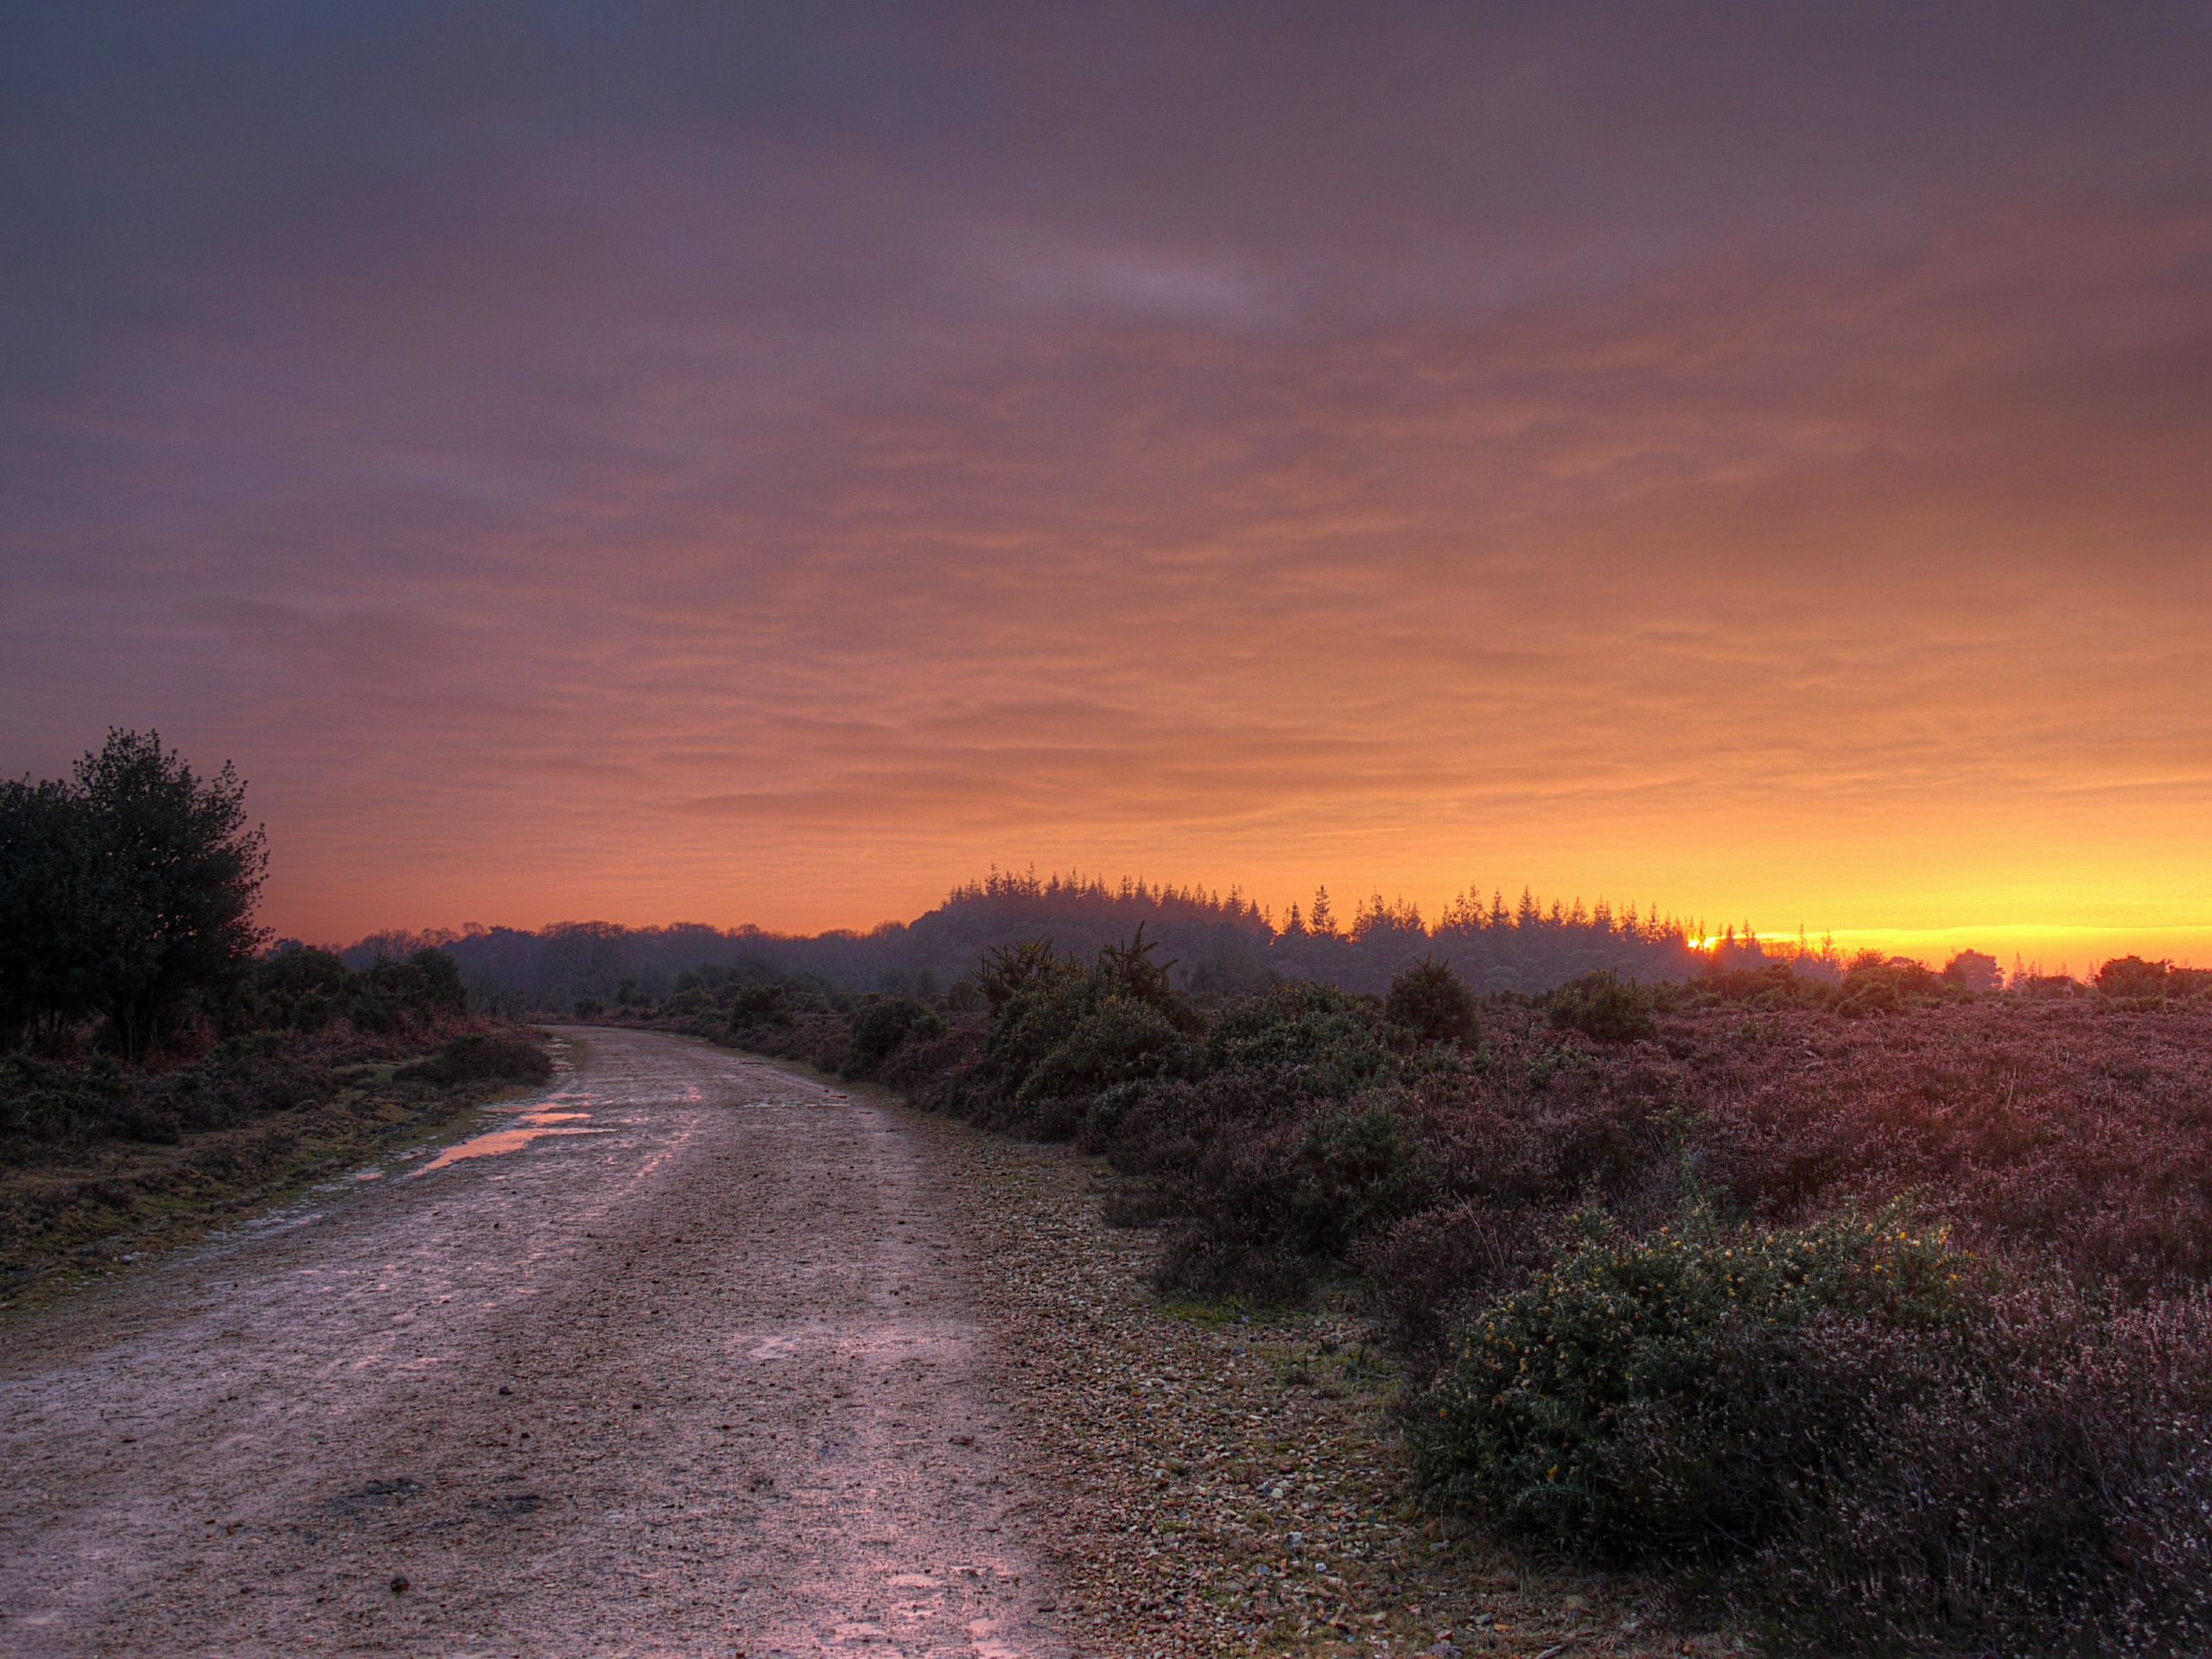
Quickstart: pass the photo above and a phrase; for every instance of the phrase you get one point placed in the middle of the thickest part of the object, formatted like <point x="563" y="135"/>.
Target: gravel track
<point x="703" y="1371"/>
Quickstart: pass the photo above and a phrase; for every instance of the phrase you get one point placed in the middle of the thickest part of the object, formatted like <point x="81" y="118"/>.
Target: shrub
<point x="1603" y="1007"/>
<point x="43" y="1105"/>
<point x="1434" y="1266"/>
<point x="1431" y="1004"/>
<point x="1164" y="1131"/>
<point x="882" y="1027"/>
<point x="1876" y="985"/>
<point x="1361" y="1167"/>
<point x="1115" y="1042"/>
<point x="298" y="988"/>
<point x="760" y="1007"/>
<point x="2132" y="976"/>
<point x="1127" y="973"/>
<point x="1013" y="968"/>
<point x="692" y="1003"/>
<point x="1328" y="1041"/>
<point x="1776" y="985"/>
<point x="1619" y="1404"/>
<point x="1287" y="1197"/>
<point x="479" y="1056"/>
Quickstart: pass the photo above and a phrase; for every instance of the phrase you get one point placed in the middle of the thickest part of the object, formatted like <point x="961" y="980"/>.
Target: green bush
<point x="1115" y="1041"/>
<point x="43" y="1105"/>
<point x="1361" y="1169"/>
<point x="1007" y="972"/>
<point x="691" y="1003"/>
<point x="760" y="1007"/>
<point x="1602" y="1006"/>
<point x="2132" y="976"/>
<point x="1625" y="1403"/>
<point x="881" y="1028"/>
<point x="1328" y="1040"/>
<point x="1429" y="1004"/>
<point x="476" y="1056"/>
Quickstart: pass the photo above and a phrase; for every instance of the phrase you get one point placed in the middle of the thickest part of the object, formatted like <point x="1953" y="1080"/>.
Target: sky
<point x="654" y="462"/>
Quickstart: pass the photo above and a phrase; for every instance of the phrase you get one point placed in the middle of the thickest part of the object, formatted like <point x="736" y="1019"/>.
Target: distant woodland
<point x="1218" y="943"/>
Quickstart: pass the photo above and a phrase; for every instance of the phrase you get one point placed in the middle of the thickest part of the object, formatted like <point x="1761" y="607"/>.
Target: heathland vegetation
<point x="1871" y="1307"/>
<point x="158" y="1058"/>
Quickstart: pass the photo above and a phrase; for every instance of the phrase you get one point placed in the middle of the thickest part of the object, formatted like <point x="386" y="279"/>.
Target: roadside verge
<point x="1219" y="1478"/>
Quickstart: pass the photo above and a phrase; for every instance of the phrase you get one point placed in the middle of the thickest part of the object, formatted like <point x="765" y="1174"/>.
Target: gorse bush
<point x="1623" y="1403"/>
<point x="1324" y="1041"/>
<point x="882" y="1027"/>
<point x="1114" y="1040"/>
<point x="1273" y="1201"/>
<point x="755" y="1007"/>
<point x="1604" y="1007"/>
<point x="1361" y="1166"/>
<point x="1429" y="1003"/>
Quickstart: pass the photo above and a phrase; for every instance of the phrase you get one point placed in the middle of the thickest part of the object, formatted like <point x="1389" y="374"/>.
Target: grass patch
<point x="104" y="1205"/>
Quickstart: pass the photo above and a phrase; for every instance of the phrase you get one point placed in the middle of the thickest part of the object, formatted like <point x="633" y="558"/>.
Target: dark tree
<point x="180" y="870"/>
<point x="57" y="921"/>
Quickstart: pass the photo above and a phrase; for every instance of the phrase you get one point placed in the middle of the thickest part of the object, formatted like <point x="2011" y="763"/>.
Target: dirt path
<point x="699" y="1373"/>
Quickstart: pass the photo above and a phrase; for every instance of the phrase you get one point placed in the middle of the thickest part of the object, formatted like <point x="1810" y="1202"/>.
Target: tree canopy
<point x="127" y="889"/>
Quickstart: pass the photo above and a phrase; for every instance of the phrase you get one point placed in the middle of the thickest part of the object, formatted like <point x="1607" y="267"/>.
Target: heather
<point x="1867" y="1309"/>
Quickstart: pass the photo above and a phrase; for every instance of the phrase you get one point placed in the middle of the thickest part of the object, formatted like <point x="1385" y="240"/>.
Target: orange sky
<point x="667" y="466"/>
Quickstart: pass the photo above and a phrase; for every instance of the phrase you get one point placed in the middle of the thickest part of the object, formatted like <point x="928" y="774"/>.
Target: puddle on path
<point x="537" y="1124"/>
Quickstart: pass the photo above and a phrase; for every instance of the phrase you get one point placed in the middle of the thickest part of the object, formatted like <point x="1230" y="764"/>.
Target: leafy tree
<point x="882" y="1027"/>
<point x="127" y="889"/>
<point x="183" y="870"/>
<point x="54" y="907"/>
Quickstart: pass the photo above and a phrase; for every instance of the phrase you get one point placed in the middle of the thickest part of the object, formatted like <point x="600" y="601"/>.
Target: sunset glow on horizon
<point x="672" y="463"/>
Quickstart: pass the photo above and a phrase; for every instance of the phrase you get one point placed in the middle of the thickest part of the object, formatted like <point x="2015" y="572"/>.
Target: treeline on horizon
<point x="1219" y="943"/>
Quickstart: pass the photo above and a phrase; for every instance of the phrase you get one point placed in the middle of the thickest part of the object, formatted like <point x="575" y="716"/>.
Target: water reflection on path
<point x="531" y="1123"/>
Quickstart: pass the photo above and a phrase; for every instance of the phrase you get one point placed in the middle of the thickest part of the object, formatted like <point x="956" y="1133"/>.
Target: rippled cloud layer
<point x="657" y="461"/>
